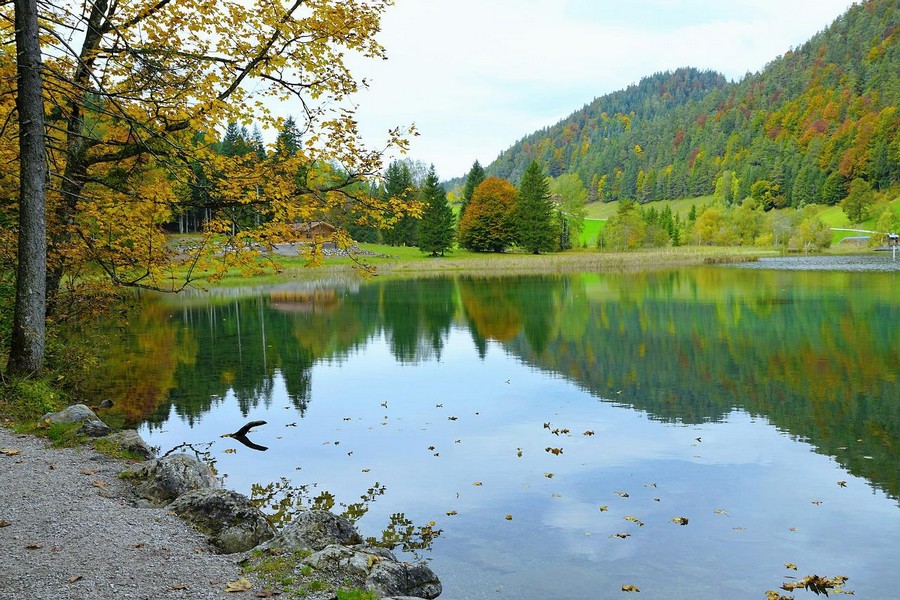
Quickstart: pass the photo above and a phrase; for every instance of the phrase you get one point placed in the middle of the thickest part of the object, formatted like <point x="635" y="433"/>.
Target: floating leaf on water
<point x="451" y="513"/>
<point x="431" y="448"/>
<point x="604" y="508"/>
<point x="554" y="451"/>
<point x="630" y="588"/>
<point x="564" y="431"/>
<point x="546" y="425"/>
<point x="842" y="483"/>
<point x="622" y="494"/>
<point x="366" y="470"/>
<point x="589" y="432"/>
<point x="509" y="517"/>
<point x="452" y="418"/>
<point x="792" y="529"/>
<point x="548" y="475"/>
<point x="634" y="519"/>
<point x="241" y="585"/>
<point x="477" y="483"/>
<point x="790" y="566"/>
<point x="680" y="520"/>
<point x="720" y="511"/>
<point x="817" y="502"/>
<point x="621" y="536"/>
<point x="519" y="452"/>
<point x="230" y="451"/>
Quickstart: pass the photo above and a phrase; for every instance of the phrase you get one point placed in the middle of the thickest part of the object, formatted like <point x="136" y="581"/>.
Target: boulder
<point x="314" y="530"/>
<point x="94" y="428"/>
<point x="169" y="477"/>
<point x="77" y="413"/>
<point x="227" y="518"/>
<point x="131" y="441"/>
<point x="391" y="578"/>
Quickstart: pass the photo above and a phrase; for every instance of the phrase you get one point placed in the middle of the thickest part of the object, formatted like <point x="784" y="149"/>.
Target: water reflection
<point x="816" y="354"/>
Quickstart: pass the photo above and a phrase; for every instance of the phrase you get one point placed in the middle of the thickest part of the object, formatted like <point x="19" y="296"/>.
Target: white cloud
<point x="477" y="75"/>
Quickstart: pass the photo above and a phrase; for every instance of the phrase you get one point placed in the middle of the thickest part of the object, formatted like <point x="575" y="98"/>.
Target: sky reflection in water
<point x="747" y="486"/>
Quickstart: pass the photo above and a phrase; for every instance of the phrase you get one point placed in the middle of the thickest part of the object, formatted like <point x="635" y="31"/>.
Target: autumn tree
<point x="437" y="229"/>
<point x="536" y="228"/>
<point x="126" y="99"/>
<point x="625" y="230"/>
<point x="487" y="225"/>
<point x="26" y="354"/>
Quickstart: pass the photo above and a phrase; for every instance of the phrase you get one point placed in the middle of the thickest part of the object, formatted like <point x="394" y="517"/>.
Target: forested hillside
<point x="808" y="124"/>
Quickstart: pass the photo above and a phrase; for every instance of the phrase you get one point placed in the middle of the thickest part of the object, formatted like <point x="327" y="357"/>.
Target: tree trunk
<point x="26" y="354"/>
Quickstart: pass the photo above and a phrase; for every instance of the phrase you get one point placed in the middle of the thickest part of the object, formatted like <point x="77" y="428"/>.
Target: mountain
<point x="811" y="121"/>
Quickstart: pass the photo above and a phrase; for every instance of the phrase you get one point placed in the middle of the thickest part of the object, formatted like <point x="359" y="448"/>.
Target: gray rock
<point x="77" y="413"/>
<point x="227" y="518"/>
<point x="131" y="441"/>
<point x="390" y="578"/>
<point x="106" y="403"/>
<point x="314" y="530"/>
<point x="169" y="477"/>
<point x="94" y="428"/>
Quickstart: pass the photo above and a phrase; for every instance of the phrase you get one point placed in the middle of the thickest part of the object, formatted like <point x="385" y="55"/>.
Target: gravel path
<point x="68" y="531"/>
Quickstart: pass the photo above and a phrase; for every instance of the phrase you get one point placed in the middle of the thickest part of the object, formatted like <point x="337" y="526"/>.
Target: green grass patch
<point x="592" y="229"/>
<point x="27" y="400"/>
<point x="356" y="594"/>
<point x="115" y="450"/>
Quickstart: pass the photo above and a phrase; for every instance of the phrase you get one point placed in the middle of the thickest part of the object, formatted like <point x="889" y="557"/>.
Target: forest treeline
<point x="810" y="123"/>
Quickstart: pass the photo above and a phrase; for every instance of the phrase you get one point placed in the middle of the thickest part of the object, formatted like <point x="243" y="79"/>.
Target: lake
<point x="687" y="432"/>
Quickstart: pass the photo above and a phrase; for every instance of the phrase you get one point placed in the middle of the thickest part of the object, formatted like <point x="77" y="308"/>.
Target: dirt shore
<point x="68" y="530"/>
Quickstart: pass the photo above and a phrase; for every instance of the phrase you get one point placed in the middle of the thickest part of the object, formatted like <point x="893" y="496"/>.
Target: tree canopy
<point x="536" y="229"/>
<point x="487" y="225"/>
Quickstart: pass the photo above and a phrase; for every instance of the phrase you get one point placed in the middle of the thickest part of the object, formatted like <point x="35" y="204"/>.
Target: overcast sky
<point x="475" y="76"/>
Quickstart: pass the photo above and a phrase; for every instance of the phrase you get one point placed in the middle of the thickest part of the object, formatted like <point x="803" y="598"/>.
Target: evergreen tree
<point x="473" y="180"/>
<point x="288" y="142"/>
<point x="535" y="227"/>
<point x="436" y="231"/>
<point x="399" y="186"/>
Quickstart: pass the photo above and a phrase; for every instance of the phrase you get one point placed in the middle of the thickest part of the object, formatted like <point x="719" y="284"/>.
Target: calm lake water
<point x="534" y="418"/>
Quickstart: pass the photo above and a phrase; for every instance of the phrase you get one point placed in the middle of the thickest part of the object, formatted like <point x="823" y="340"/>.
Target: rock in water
<point x="315" y="529"/>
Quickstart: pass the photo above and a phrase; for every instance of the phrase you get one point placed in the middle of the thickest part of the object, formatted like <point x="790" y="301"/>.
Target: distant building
<point x="893" y="240"/>
<point x="314" y="230"/>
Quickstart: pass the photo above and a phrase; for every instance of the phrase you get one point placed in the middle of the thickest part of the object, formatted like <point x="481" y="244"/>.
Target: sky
<point x="475" y="76"/>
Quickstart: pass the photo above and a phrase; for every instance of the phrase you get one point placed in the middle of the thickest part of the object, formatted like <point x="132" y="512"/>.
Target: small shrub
<point x="356" y="594"/>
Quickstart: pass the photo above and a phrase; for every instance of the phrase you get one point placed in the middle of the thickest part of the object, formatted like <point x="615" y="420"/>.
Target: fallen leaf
<point x="720" y="511"/>
<point x="554" y="451"/>
<point x="9" y="451"/>
<point x="230" y="451"/>
<point x="75" y="578"/>
<point x="633" y="519"/>
<point x="790" y="566"/>
<point x="604" y="508"/>
<point x="99" y="484"/>
<point x="589" y="432"/>
<point x="138" y="545"/>
<point x="366" y="470"/>
<point x="621" y="494"/>
<point x="241" y="585"/>
<point x="178" y="586"/>
<point x="680" y="520"/>
<point x="451" y="513"/>
<point x="452" y="418"/>
<point x="267" y="593"/>
<point x="477" y="483"/>
<point x="630" y="588"/>
<point x="4" y="523"/>
<point x="621" y="535"/>
<point x="792" y="529"/>
<point x="88" y="471"/>
<point x="519" y="452"/>
<point x="842" y="483"/>
<point x="509" y="517"/>
<point x="33" y="546"/>
<point x="548" y="475"/>
<point x="817" y="502"/>
<point x="431" y="448"/>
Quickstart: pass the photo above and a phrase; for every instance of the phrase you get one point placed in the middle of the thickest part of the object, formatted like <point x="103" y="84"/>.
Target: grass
<point x="27" y="400"/>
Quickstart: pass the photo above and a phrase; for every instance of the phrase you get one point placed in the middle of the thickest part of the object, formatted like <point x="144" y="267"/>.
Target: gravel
<point x="69" y="529"/>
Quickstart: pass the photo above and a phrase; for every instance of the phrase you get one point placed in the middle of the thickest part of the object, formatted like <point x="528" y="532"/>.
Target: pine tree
<point x="399" y="186"/>
<point x="288" y="142"/>
<point x="436" y="231"/>
<point x="535" y="225"/>
<point x="473" y="180"/>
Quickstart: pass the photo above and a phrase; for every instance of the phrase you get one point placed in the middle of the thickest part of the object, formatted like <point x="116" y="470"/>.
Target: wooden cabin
<point x="315" y="230"/>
